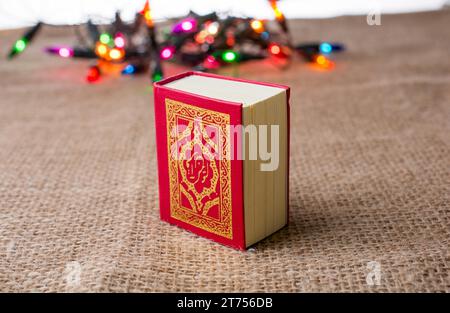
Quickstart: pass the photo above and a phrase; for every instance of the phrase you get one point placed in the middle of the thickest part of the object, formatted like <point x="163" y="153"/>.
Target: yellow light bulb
<point x="257" y="26"/>
<point x="213" y="28"/>
<point x="115" y="54"/>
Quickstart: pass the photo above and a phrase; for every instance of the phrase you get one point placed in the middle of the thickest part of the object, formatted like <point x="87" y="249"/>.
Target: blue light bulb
<point x="265" y="35"/>
<point x="129" y="69"/>
<point x="325" y="48"/>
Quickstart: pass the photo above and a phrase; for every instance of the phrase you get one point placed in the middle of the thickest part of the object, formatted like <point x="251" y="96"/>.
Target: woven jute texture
<point x="369" y="180"/>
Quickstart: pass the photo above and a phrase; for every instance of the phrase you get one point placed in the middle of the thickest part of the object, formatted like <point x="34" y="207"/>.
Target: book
<point x="223" y="156"/>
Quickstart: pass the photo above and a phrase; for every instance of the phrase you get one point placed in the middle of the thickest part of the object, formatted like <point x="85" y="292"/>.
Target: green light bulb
<point x="157" y="77"/>
<point x="229" y="56"/>
<point x="105" y="38"/>
<point x="20" y="45"/>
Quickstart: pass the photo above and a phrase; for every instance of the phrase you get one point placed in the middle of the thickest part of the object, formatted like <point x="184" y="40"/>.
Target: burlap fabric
<point x="369" y="181"/>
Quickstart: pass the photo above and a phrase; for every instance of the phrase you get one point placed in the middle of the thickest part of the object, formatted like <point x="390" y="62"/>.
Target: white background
<point x="18" y="13"/>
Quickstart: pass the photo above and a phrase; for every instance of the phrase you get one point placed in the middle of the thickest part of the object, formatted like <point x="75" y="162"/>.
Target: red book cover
<point x="199" y="193"/>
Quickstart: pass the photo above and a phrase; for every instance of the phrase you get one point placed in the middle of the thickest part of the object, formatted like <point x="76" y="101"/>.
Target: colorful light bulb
<point x="129" y="69"/>
<point x="93" y="74"/>
<point x="105" y="38"/>
<point x="20" y="45"/>
<point x="230" y="39"/>
<point x="278" y="14"/>
<point x="166" y="53"/>
<point x="65" y="52"/>
<point x="275" y="49"/>
<point x="187" y="25"/>
<point x="210" y="62"/>
<point x="116" y="54"/>
<point x="323" y="62"/>
<point x="101" y="50"/>
<point x="147" y="13"/>
<point x="200" y="37"/>
<point x="119" y="41"/>
<point x="325" y="48"/>
<point x="213" y="28"/>
<point x="257" y="26"/>
<point x="157" y="76"/>
<point x="229" y="56"/>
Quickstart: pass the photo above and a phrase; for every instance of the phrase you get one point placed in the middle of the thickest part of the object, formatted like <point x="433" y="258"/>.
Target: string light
<point x="203" y="41"/>
<point x="64" y="52"/>
<point x="20" y="45"/>
<point x="69" y="52"/>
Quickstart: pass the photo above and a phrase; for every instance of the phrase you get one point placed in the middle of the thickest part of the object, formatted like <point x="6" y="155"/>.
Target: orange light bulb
<point x="323" y="62"/>
<point x="101" y="50"/>
<point x="278" y="15"/>
<point x="147" y="13"/>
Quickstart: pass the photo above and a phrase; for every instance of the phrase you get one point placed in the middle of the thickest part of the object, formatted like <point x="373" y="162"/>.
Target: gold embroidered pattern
<point x="198" y="148"/>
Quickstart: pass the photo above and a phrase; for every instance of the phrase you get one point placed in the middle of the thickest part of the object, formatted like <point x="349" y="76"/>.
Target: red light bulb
<point x="275" y="49"/>
<point x="93" y="74"/>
